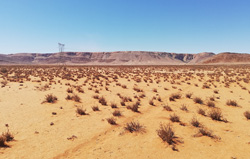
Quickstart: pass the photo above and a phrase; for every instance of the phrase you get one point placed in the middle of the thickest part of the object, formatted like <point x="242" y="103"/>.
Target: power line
<point x="61" y="47"/>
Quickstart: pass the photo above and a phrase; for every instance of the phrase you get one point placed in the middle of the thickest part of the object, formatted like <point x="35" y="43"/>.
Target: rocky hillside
<point x="123" y="58"/>
<point x="227" y="57"/>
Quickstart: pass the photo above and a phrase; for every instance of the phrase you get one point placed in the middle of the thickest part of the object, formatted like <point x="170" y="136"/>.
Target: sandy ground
<point x="34" y="137"/>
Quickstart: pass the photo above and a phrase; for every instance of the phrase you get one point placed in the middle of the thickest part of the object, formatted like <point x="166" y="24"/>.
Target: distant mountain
<point x="230" y="58"/>
<point x="123" y="58"/>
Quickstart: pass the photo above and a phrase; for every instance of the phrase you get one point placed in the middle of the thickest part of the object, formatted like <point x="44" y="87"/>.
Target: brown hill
<point x="123" y="58"/>
<point x="226" y="57"/>
<point x="105" y="58"/>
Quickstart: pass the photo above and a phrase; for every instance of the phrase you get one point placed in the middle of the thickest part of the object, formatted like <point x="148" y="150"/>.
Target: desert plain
<point x="103" y="112"/>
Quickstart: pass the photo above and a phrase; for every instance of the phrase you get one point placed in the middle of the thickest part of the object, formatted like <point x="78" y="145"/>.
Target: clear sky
<point x="182" y="26"/>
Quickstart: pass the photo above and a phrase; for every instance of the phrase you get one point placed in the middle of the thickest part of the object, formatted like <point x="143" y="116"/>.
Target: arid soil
<point x="51" y="112"/>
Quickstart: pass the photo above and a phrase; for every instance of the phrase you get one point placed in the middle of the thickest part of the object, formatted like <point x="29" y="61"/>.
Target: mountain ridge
<point x="124" y="58"/>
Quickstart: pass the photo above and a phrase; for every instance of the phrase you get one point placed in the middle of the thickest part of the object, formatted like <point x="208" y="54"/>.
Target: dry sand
<point x="29" y="120"/>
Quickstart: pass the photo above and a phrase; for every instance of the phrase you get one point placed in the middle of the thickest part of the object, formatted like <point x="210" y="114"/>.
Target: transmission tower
<point x="61" y="47"/>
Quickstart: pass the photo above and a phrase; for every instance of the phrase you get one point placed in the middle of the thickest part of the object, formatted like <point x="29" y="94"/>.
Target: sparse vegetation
<point x="111" y="121"/>
<point x="168" y="108"/>
<point x="232" y="103"/>
<point x="133" y="126"/>
<point x="247" y="114"/>
<point x="167" y="134"/>
<point x="117" y="113"/>
<point x="184" y="108"/>
<point x="195" y="122"/>
<point x="50" y="98"/>
<point x="174" y="96"/>
<point x="201" y="112"/>
<point x="81" y="111"/>
<point x="210" y="104"/>
<point x="215" y="114"/>
<point x="198" y="100"/>
<point x="189" y="95"/>
<point x="95" y="108"/>
<point x="174" y="118"/>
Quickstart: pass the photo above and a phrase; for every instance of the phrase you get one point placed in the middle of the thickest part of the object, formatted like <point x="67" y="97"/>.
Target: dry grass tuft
<point x="166" y="133"/>
<point x="134" y="126"/>
<point x="50" y="98"/>
<point x="232" y="103"/>
<point x="111" y="121"/>
<point x="189" y="95"/>
<point x="184" y="108"/>
<point x="174" y="118"/>
<point x="81" y="111"/>
<point x="210" y="104"/>
<point x="95" y="108"/>
<point x="201" y="112"/>
<point x="195" y="122"/>
<point x="247" y="114"/>
<point x="215" y="114"/>
<point x="198" y="100"/>
<point x="117" y="113"/>
<point x="168" y="108"/>
<point x="174" y="96"/>
<point x="103" y="101"/>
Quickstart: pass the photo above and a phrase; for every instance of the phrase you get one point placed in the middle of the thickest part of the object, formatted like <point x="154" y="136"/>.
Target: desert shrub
<point x="168" y="108"/>
<point x="79" y="89"/>
<point x="50" y="98"/>
<point x="111" y="121"/>
<point x="211" y="99"/>
<point x="2" y="141"/>
<point x="215" y="114"/>
<point x="68" y="97"/>
<point x="155" y="90"/>
<point x="216" y="91"/>
<point x="3" y="70"/>
<point x="151" y="102"/>
<point x="201" y="112"/>
<point x="95" y="96"/>
<point x="117" y="113"/>
<point x="8" y="136"/>
<point x="184" y="108"/>
<point x="195" y="122"/>
<point x="210" y="104"/>
<point x="95" y="108"/>
<point x="247" y="114"/>
<point x="81" y="111"/>
<point x="174" y="118"/>
<point x="189" y="95"/>
<point x="134" y="108"/>
<point x="123" y="103"/>
<point x="103" y="101"/>
<point x="133" y="126"/>
<point x="166" y="133"/>
<point x="198" y="100"/>
<point x="70" y="90"/>
<point x="205" y="132"/>
<point x="174" y="96"/>
<point x="113" y="105"/>
<point x="76" y="98"/>
<point x="124" y="86"/>
<point x="232" y="103"/>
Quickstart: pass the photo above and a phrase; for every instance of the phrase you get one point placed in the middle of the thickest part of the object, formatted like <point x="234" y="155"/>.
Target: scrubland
<point x="125" y="112"/>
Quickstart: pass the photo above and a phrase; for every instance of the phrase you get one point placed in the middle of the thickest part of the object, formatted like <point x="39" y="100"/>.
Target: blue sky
<point x="182" y="26"/>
